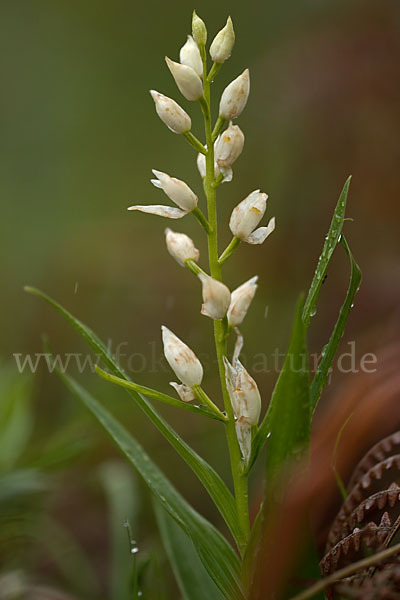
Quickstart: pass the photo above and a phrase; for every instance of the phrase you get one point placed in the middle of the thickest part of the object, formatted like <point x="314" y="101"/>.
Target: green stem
<point x="194" y="267"/>
<point x="229" y="250"/>
<point x="239" y="477"/>
<point x="202" y="396"/>
<point x="193" y="141"/>
<point x="199" y="215"/>
<point x="217" y="129"/>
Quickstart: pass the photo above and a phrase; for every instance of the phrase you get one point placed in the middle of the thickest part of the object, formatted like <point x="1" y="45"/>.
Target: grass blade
<point x="212" y="482"/>
<point x="331" y="242"/>
<point x="329" y="351"/>
<point x="217" y="556"/>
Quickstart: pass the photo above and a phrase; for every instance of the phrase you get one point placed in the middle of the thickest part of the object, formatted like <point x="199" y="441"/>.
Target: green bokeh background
<point x="79" y="137"/>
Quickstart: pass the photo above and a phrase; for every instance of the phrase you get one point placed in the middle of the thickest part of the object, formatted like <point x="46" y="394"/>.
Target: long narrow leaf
<point x="330" y="244"/>
<point x="193" y="580"/>
<point x="290" y="407"/>
<point x="214" y="551"/>
<point x="212" y="482"/>
<point x="330" y="349"/>
<point x="141" y="389"/>
<point x="287" y="422"/>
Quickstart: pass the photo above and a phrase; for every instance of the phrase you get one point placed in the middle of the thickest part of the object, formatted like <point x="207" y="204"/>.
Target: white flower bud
<point x="187" y="80"/>
<point x="221" y="47"/>
<point x="243" y="392"/>
<point x="246" y="216"/>
<point x="229" y="146"/>
<point x="240" y="301"/>
<point x="185" y="393"/>
<point x="175" y="118"/>
<point x="181" y="247"/>
<point x="199" y="30"/>
<point x="246" y="403"/>
<point x="234" y="97"/>
<point x="178" y="191"/>
<point x="216" y="297"/>
<point x="181" y="359"/>
<point x="189" y="55"/>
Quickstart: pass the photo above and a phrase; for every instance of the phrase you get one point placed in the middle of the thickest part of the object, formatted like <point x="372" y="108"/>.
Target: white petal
<point x="260" y="235"/>
<point x="156" y="183"/>
<point x="227" y="173"/>
<point x="243" y="433"/>
<point x="185" y="393"/>
<point x="163" y="211"/>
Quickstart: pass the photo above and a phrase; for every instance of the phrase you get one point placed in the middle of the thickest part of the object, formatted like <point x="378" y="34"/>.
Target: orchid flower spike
<point x="177" y="191"/>
<point x="222" y="45"/>
<point x="189" y="55"/>
<point x="234" y="97"/>
<point x="181" y="359"/>
<point x="175" y="118"/>
<point x="246" y="216"/>
<point x="187" y="80"/>
<point x="216" y="297"/>
<point x="241" y="299"/>
<point x="181" y="247"/>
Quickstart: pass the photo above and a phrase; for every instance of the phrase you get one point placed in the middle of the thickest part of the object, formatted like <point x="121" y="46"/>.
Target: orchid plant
<point x="213" y="565"/>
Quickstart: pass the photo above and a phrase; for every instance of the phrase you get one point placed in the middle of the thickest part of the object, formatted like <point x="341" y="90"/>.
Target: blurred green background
<point x="79" y="137"/>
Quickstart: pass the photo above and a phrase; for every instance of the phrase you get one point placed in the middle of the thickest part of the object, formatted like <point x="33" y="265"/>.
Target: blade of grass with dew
<point x="331" y="242"/>
<point x="287" y="421"/>
<point x="329" y="351"/>
<point x="212" y="482"/>
<point x="193" y="580"/>
<point x="217" y="556"/>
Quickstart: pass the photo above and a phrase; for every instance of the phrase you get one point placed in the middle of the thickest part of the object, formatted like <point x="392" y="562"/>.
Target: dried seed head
<point x="186" y="78"/>
<point x="181" y="359"/>
<point x="240" y="301"/>
<point x="181" y="247"/>
<point x="234" y="97"/>
<point x="216" y="297"/>
<point x="175" y="118"/>
<point x="222" y="45"/>
<point x="189" y="55"/>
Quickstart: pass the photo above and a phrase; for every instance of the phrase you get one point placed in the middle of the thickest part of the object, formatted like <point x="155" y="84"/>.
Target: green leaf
<point x="212" y="482"/>
<point x="289" y="413"/>
<point x="217" y="556"/>
<point x="331" y="242"/>
<point x="150" y="393"/>
<point x="119" y="483"/>
<point x="329" y="351"/>
<point x="193" y="580"/>
<point x="287" y="421"/>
